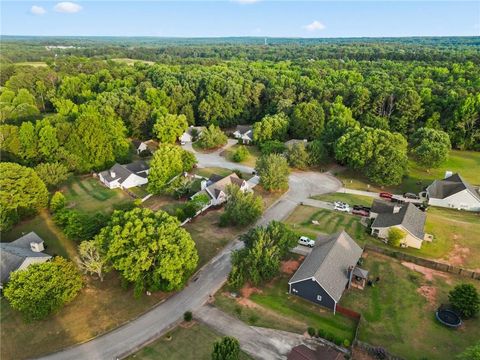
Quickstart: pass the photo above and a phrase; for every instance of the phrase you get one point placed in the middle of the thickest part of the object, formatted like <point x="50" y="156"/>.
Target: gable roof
<point x="220" y="186"/>
<point x="409" y="216"/>
<point x="245" y="131"/>
<point x="328" y="263"/>
<point x="381" y="206"/>
<point x="122" y="172"/>
<point x="13" y="254"/>
<point x="441" y="189"/>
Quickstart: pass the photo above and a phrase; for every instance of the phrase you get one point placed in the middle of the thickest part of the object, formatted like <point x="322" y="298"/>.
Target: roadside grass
<point x="186" y="343"/>
<point x="396" y="316"/>
<point x="350" y="199"/>
<point x="100" y="307"/>
<point x="466" y="163"/>
<point x="254" y="154"/>
<point x="89" y="195"/>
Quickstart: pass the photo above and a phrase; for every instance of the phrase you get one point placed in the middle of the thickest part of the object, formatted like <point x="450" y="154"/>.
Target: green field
<point x="32" y="63"/>
<point x="186" y="343"/>
<point x="396" y="316"/>
<point x="132" y="61"/>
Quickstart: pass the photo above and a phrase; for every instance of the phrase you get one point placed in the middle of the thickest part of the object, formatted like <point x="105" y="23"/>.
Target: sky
<point x="267" y="18"/>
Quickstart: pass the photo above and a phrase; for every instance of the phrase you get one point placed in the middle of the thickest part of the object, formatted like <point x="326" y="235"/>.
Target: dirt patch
<point x="248" y="290"/>
<point x="427" y="272"/>
<point x="290" y="266"/>
<point x="247" y="303"/>
<point x="458" y="255"/>
<point x="361" y="354"/>
<point x="429" y="293"/>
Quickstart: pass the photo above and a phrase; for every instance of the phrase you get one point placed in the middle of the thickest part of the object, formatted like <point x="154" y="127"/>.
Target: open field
<point x="89" y="195"/>
<point x="32" y="63"/>
<point x="254" y="153"/>
<point x="466" y="163"/>
<point x="398" y="313"/>
<point x="132" y="61"/>
<point x="192" y="342"/>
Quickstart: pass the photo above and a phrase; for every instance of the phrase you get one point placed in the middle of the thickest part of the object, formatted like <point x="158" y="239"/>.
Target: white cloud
<point x="67" y="7"/>
<point x="246" y="1"/>
<point x="314" y="26"/>
<point x="37" y="10"/>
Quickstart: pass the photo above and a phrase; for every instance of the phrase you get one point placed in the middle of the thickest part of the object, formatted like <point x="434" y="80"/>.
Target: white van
<point x="305" y="241"/>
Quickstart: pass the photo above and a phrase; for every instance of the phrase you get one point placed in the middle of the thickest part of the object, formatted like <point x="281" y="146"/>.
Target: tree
<point x="168" y="161"/>
<point x="91" y="260"/>
<point x="273" y="171"/>
<point x="240" y="154"/>
<point x="317" y="153"/>
<point x="228" y="348"/>
<point x="52" y="174"/>
<point x="44" y="288"/>
<point x="47" y="139"/>
<point x="271" y="127"/>
<point x="28" y="141"/>
<point x="57" y="202"/>
<point x="79" y="226"/>
<point x="22" y="193"/>
<point x="470" y="353"/>
<point x="242" y="208"/>
<point x="169" y="127"/>
<point x="430" y="147"/>
<point x="272" y="147"/>
<point x="211" y="138"/>
<point x="297" y="155"/>
<point x="148" y="249"/>
<point x="395" y="236"/>
<point x="340" y="120"/>
<point x="307" y="121"/>
<point x="465" y="299"/>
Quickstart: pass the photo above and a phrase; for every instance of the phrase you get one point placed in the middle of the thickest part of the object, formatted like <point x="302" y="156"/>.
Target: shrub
<point x="464" y="298"/>
<point x="252" y="319"/>
<point x="212" y="137"/>
<point x="395" y="236"/>
<point x="238" y="310"/>
<point x="240" y="154"/>
<point x="346" y="343"/>
<point x="57" y="202"/>
<point x="227" y="348"/>
<point x="321" y="333"/>
<point x="311" y="331"/>
<point x="187" y="316"/>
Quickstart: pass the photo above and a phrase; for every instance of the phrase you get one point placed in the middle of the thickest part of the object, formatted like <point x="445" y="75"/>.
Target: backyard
<point x="398" y="312"/>
<point x="253" y="154"/>
<point x="191" y="342"/>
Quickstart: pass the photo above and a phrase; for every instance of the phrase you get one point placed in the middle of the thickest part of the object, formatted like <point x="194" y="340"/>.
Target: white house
<point x="453" y="192"/>
<point x="191" y="133"/>
<point x="150" y="145"/>
<point x="244" y="133"/>
<point x="125" y="176"/>
<point x="407" y="218"/>
<point x="20" y="254"/>
<point x="216" y="187"/>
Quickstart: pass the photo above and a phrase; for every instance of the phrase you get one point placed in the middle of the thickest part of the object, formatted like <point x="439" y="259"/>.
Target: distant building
<point x="216" y="187"/>
<point x="191" y="133"/>
<point x="327" y="271"/>
<point x="244" y="133"/>
<point x="125" y="176"/>
<point x="453" y="192"/>
<point x="21" y="253"/>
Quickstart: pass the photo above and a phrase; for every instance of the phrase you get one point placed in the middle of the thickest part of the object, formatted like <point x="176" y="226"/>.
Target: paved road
<point x="148" y="327"/>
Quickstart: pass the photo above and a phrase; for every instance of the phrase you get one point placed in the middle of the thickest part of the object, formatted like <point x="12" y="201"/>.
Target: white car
<point x="339" y="206"/>
<point x="305" y="241"/>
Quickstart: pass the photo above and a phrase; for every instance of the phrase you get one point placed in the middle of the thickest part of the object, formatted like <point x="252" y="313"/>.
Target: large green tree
<point x="465" y="299"/>
<point x="340" y="120"/>
<point x="149" y="249"/>
<point x="212" y="137"/>
<point x="273" y="171"/>
<point x="271" y="127"/>
<point x="242" y="208"/>
<point x="42" y="289"/>
<point x="307" y="121"/>
<point x="52" y="174"/>
<point x="430" y="146"/>
<point x="168" y="127"/>
<point x="227" y="348"/>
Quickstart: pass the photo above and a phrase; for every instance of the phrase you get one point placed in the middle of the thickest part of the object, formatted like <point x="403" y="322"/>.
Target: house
<point x="407" y="218"/>
<point x="216" y="187"/>
<point x="244" y="133"/>
<point x="191" y="133"/>
<point x="327" y="271"/>
<point x="381" y="207"/>
<point x="149" y="145"/>
<point x="322" y="352"/>
<point x="21" y="253"/>
<point x="453" y="192"/>
<point x="125" y="176"/>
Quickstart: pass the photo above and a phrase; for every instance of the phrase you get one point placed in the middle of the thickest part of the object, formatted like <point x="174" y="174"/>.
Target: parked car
<point x="386" y="195"/>
<point x="408" y="195"/>
<point x="360" y="210"/>
<point x="361" y="207"/>
<point x="339" y="206"/>
<point x="306" y="241"/>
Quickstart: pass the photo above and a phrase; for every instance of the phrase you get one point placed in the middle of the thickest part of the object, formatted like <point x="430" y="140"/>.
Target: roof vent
<point x="448" y="174"/>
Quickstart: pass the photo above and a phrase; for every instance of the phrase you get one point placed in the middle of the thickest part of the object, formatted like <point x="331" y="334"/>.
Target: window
<point x="319" y="297"/>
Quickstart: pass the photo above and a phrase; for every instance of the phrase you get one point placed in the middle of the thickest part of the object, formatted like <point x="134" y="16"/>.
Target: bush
<point x="395" y="236"/>
<point x="238" y="310"/>
<point x="252" y="319"/>
<point x="321" y="333"/>
<point x="346" y="343"/>
<point x="240" y="154"/>
<point x="311" y="331"/>
<point x="212" y="138"/>
<point x="464" y="299"/>
<point x="188" y="316"/>
<point x="57" y="202"/>
<point x="272" y="147"/>
<point x="227" y="348"/>
<point x="79" y="226"/>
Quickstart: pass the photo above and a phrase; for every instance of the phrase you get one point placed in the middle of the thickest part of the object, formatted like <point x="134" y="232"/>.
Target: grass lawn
<point x="350" y="199"/>
<point x="32" y="63"/>
<point x="207" y="172"/>
<point x="466" y="163"/>
<point x="253" y="151"/>
<point x="89" y="195"/>
<point x="396" y="315"/>
<point x="140" y="191"/>
<point x="186" y="343"/>
<point x="100" y="307"/>
<point x="129" y="61"/>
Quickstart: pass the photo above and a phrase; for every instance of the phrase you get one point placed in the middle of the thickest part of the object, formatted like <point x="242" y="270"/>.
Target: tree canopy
<point x="273" y="171"/>
<point x="271" y="127"/>
<point x="168" y="127"/>
<point x="242" y="208"/>
<point x="212" y="137"/>
<point x="431" y="147"/>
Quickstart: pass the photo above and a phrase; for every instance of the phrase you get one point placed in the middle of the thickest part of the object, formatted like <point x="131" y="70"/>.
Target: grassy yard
<point x="350" y="199"/>
<point x="89" y="195"/>
<point x="253" y="151"/>
<point x="32" y="63"/>
<point x="207" y="172"/>
<point x="139" y="191"/>
<point x="186" y="343"/>
<point x="466" y="163"/>
<point x="398" y="313"/>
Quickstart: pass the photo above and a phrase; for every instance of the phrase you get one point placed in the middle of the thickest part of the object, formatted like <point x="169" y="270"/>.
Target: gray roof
<point x="245" y="130"/>
<point x="409" y="216"/>
<point x="13" y="254"/>
<point x="328" y="263"/>
<point x="441" y="189"/>
<point x="220" y="185"/>
<point x="122" y="172"/>
<point x="381" y="206"/>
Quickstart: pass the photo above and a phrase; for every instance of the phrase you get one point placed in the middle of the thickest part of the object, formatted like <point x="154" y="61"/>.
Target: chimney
<point x="112" y="173"/>
<point x="396" y="208"/>
<point x="448" y="174"/>
<point x="37" y="247"/>
<point x="203" y="184"/>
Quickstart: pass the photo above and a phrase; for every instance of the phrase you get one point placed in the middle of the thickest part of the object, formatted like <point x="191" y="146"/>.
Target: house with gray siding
<point x="327" y="271"/>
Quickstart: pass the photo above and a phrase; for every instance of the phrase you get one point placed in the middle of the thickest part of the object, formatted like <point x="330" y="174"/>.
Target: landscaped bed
<point x="399" y="312"/>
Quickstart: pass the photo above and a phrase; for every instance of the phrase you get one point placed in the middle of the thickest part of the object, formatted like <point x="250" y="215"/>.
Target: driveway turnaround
<point x="132" y="336"/>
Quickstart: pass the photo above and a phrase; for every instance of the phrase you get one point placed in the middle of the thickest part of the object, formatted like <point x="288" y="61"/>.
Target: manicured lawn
<point x="399" y="318"/>
<point x="100" y="307"/>
<point x="186" y="343"/>
<point x="350" y="199"/>
<point x="89" y="195"/>
<point x="466" y="163"/>
<point x="253" y="151"/>
<point x="140" y="191"/>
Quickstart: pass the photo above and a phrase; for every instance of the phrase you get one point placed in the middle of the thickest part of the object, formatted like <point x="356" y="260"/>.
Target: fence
<point x="347" y="312"/>
<point x="377" y="352"/>
<point x="425" y="262"/>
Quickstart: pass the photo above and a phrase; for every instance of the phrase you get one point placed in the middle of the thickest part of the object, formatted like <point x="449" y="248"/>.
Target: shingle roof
<point x="441" y="189"/>
<point x="243" y="129"/>
<point x="409" y="216"/>
<point x="381" y="206"/>
<point x="122" y="172"/>
<point x="328" y="263"/>
<point x="220" y="185"/>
